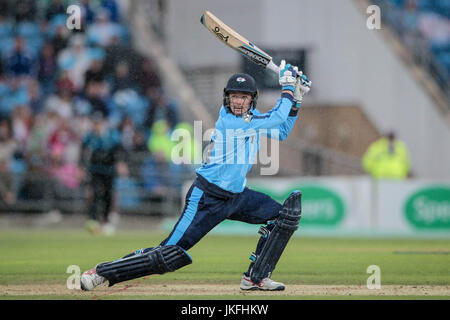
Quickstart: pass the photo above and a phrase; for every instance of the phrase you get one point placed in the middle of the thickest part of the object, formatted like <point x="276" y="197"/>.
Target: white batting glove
<point x="302" y="86"/>
<point x="288" y="74"/>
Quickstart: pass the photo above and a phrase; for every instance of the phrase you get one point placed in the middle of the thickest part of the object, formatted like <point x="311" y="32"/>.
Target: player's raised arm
<point x="302" y="86"/>
<point x="287" y="104"/>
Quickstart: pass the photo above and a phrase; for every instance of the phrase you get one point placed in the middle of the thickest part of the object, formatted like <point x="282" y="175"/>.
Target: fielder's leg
<point x="273" y="242"/>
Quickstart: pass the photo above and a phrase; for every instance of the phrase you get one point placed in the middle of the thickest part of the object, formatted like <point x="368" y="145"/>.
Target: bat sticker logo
<point x="220" y="35"/>
<point x="255" y="57"/>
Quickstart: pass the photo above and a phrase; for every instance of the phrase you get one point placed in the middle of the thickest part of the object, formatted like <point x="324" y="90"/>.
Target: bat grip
<point x="272" y="66"/>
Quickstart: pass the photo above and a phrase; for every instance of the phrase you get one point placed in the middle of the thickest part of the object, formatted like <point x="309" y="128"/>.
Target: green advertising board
<point x="321" y="206"/>
<point x="429" y="208"/>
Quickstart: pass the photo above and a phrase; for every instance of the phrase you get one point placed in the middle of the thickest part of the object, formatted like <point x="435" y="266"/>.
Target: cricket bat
<point x="234" y="40"/>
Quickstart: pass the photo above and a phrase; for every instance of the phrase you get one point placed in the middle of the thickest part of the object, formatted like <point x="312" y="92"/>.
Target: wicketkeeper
<point x="219" y="191"/>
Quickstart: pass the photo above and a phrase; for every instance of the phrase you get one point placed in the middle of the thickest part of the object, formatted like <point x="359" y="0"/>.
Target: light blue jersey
<point x="235" y="143"/>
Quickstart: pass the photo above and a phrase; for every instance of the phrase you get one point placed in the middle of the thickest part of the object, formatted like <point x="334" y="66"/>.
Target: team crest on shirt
<point x="240" y="79"/>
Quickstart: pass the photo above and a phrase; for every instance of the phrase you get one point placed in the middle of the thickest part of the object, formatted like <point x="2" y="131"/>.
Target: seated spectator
<point x="87" y="13"/>
<point x="60" y="39"/>
<point x="147" y="76"/>
<point x="64" y="137"/>
<point x="94" y="99"/>
<point x="6" y="27"/>
<point x="61" y="102"/>
<point x="128" y="103"/>
<point x="96" y="72"/>
<point x="22" y="121"/>
<point x="122" y="78"/>
<point x="20" y="61"/>
<point x="36" y="98"/>
<point x="76" y="59"/>
<point x="47" y="68"/>
<point x="14" y="93"/>
<point x="103" y="30"/>
<point x="65" y="176"/>
<point x="160" y="108"/>
<point x="159" y="141"/>
<point x="7" y="143"/>
<point x="54" y="8"/>
<point x="116" y="52"/>
<point x="110" y="6"/>
<point x="23" y="9"/>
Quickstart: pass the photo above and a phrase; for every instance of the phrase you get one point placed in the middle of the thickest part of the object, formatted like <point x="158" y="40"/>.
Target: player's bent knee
<point x="277" y="239"/>
<point x="160" y="260"/>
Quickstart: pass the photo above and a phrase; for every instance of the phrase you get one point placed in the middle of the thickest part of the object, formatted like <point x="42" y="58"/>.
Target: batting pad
<point x="285" y="225"/>
<point x="160" y="260"/>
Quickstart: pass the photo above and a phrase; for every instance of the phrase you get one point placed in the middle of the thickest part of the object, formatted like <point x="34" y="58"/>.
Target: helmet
<point x="240" y="82"/>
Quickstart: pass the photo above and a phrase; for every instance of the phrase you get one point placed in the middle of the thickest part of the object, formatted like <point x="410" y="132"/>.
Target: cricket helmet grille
<point x="240" y="82"/>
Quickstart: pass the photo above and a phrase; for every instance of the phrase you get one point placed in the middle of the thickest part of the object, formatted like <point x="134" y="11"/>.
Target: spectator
<point x="128" y="103"/>
<point x="36" y="98"/>
<point x="15" y="94"/>
<point x="159" y="141"/>
<point x="76" y="60"/>
<point x="147" y="76"/>
<point x="65" y="176"/>
<point x="60" y="39"/>
<point x="87" y="13"/>
<point x="47" y="68"/>
<point x="190" y="150"/>
<point x="102" y="31"/>
<point x="160" y="108"/>
<point x="7" y="143"/>
<point x="387" y="158"/>
<point x="8" y="195"/>
<point x="96" y="72"/>
<point x="24" y="9"/>
<point x="96" y="97"/>
<point x="54" y="8"/>
<point x="64" y="138"/>
<point x="110" y="6"/>
<point x="22" y="121"/>
<point x="61" y="102"/>
<point x="20" y="61"/>
<point x="122" y="79"/>
<point x="116" y="52"/>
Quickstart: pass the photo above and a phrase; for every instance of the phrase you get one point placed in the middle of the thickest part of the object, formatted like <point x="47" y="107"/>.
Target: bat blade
<point x="236" y="41"/>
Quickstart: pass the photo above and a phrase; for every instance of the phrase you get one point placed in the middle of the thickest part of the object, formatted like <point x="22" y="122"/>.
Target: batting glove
<point x="288" y="74"/>
<point x="302" y="86"/>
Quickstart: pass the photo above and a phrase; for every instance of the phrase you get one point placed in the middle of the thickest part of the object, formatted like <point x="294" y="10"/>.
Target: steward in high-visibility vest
<point x="387" y="158"/>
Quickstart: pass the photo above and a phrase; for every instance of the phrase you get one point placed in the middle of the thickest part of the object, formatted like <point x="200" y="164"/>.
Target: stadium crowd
<point x="56" y="83"/>
<point x="424" y="27"/>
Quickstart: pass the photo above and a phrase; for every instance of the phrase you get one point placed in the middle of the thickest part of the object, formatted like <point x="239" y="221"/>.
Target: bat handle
<point x="272" y="66"/>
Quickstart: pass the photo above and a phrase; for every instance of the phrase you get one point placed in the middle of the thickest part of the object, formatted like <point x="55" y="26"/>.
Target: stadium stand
<point x="52" y="80"/>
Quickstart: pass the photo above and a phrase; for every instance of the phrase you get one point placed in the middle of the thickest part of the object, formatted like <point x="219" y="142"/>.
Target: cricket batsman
<point x="219" y="192"/>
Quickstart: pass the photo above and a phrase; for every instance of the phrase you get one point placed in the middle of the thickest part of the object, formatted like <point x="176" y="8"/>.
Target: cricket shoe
<point x="90" y="279"/>
<point x="266" y="284"/>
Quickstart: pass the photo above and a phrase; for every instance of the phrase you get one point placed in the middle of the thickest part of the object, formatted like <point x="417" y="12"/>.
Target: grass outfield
<point x="34" y="264"/>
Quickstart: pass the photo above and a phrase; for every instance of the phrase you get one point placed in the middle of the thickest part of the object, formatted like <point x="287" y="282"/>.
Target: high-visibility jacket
<point x="383" y="163"/>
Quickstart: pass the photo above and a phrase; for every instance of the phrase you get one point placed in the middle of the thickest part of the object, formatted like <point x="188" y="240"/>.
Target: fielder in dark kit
<point x="219" y="191"/>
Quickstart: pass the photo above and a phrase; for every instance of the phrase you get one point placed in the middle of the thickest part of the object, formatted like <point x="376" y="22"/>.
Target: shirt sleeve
<point x="274" y="117"/>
